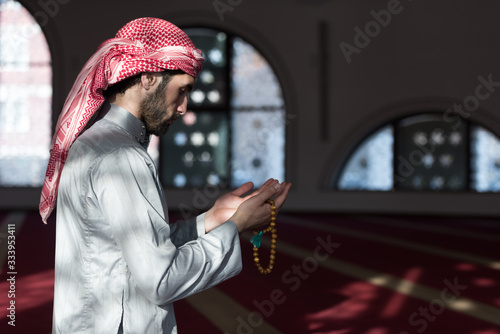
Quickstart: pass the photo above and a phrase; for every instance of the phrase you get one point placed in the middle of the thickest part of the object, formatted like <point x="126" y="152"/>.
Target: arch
<point x="236" y="132"/>
<point x="25" y="98"/>
<point x="432" y="151"/>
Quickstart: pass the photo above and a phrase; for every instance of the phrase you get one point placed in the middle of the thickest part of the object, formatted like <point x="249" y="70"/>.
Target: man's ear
<point x="149" y="80"/>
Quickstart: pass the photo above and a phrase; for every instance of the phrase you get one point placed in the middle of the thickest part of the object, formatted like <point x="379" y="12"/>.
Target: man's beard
<point x="153" y="109"/>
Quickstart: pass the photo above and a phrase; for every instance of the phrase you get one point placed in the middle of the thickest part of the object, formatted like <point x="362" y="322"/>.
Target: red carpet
<point x="303" y="294"/>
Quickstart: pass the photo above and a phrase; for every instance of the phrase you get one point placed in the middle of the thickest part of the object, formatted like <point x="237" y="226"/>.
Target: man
<point x="119" y="264"/>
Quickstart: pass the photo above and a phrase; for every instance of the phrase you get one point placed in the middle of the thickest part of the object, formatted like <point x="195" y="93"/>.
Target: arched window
<point x="425" y="152"/>
<point x="234" y="130"/>
<point x="370" y="166"/>
<point x="25" y="98"/>
<point x="485" y="160"/>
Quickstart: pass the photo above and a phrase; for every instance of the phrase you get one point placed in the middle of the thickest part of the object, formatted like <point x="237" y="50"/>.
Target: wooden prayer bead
<point x="271" y="228"/>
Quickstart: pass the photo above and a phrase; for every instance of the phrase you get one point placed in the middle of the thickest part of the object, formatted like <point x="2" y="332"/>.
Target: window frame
<point x="337" y="175"/>
<point x="228" y="109"/>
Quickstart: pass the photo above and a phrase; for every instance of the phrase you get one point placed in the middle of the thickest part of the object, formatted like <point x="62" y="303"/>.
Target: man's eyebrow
<point x="188" y="86"/>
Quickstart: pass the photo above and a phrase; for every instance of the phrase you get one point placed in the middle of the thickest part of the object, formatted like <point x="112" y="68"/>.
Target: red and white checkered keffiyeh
<point x="143" y="45"/>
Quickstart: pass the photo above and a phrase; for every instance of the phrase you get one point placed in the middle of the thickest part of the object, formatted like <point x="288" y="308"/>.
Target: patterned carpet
<point x="336" y="274"/>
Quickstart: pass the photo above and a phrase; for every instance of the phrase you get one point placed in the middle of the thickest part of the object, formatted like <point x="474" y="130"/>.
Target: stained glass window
<point x="234" y="131"/>
<point x="370" y="166"/>
<point x="429" y="154"/>
<point x="25" y="98"/>
<point x="485" y="166"/>
<point x="197" y="151"/>
<point x="258" y="118"/>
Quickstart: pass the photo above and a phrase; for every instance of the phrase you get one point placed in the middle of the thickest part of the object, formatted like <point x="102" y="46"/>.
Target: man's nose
<point x="183" y="106"/>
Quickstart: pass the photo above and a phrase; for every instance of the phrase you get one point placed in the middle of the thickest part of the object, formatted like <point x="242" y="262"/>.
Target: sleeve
<point x="131" y="203"/>
<point x="184" y="231"/>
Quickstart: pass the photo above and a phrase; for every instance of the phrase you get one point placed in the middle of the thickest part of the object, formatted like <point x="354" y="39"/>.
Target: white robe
<point x="119" y="264"/>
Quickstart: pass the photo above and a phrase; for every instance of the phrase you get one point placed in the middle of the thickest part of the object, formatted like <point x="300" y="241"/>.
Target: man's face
<point x="167" y="103"/>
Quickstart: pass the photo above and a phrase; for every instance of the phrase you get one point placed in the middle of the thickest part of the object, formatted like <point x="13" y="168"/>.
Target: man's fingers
<point x="261" y="188"/>
<point x="282" y="194"/>
<point x="268" y="182"/>
<point x="268" y="192"/>
<point x="244" y="188"/>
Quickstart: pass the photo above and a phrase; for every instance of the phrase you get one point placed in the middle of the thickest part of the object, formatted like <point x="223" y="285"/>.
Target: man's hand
<point x="226" y="206"/>
<point x="254" y="211"/>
